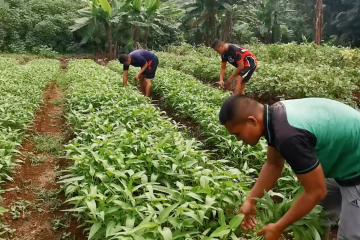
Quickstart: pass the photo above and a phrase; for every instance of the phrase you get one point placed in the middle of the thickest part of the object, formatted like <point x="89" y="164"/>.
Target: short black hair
<point x="123" y="58"/>
<point x="237" y="107"/>
<point x="216" y="43"/>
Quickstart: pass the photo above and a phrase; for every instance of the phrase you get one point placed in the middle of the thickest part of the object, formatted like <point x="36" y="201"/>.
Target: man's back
<point x="335" y="130"/>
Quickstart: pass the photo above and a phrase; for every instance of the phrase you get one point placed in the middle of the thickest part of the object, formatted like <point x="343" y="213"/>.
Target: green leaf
<point x="193" y="215"/>
<point x="105" y="6"/>
<point x="235" y="221"/>
<point x="166" y="212"/>
<point x="194" y="195"/>
<point x="204" y="181"/>
<point x="73" y="179"/>
<point x="220" y="231"/>
<point x="157" y="29"/>
<point x="178" y="234"/>
<point x="137" y="4"/>
<point x="221" y="216"/>
<point x="147" y="225"/>
<point x="166" y="233"/>
<point x="94" y="228"/>
<point x="149" y="3"/>
<point x="92" y="206"/>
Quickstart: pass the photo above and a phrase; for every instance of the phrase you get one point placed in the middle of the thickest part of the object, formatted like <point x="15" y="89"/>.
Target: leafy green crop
<point x="20" y="95"/>
<point x="135" y="175"/>
<point x="181" y="92"/>
<point x="281" y="79"/>
<point x="284" y="71"/>
<point x="285" y="53"/>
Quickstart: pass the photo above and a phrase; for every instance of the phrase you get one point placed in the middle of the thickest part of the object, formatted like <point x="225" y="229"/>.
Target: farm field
<point x="133" y="170"/>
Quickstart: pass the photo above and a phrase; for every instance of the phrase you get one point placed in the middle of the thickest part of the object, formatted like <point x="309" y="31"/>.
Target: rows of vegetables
<point x="284" y="71"/>
<point x="21" y="89"/>
<point x="136" y="175"/>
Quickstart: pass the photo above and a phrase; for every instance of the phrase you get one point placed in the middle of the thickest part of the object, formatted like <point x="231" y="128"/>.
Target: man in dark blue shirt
<point x="148" y="63"/>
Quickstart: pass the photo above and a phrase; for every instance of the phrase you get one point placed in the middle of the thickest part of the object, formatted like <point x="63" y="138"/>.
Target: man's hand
<point x="228" y="82"/>
<point x="137" y="76"/>
<point x="271" y="232"/>
<point x="248" y="209"/>
<point x="221" y="83"/>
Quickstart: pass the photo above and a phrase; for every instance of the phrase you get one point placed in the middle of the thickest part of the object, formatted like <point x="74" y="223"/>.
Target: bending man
<point x="320" y="140"/>
<point x="242" y="59"/>
<point x="148" y="63"/>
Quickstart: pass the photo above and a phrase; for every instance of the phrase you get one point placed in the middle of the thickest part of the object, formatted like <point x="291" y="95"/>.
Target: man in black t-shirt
<point x="148" y="63"/>
<point x="241" y="58"/>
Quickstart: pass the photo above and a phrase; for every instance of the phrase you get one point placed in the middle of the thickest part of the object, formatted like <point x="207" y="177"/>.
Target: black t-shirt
<point x="296" y="146"/>
<point x="235" y="54"/>
<point x="312" y="131"/>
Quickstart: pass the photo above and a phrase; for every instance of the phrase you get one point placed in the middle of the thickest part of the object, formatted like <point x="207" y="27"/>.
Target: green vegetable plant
<point x="135" y="174"/>
<point x="182" y="97"/>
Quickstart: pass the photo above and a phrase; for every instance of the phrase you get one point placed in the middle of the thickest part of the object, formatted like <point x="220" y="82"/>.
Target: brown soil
<point x="357" y="96"/>
<point x="187" y="122"/>
<point x="35" y="223"/>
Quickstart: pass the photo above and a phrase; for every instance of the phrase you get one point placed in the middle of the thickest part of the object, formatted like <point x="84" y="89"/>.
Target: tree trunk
<point x="136" y="38"/>
<point x="268" y="36"/>
<point x="109" y="40"/>
<point x="146" y="38"/>
<point x="227" y="28"/>
<point x="115" y="49"/>
<point x="318" y="21"/>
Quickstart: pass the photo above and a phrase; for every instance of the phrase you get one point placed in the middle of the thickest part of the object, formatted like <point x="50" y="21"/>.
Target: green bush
<point x="25" y="25"/>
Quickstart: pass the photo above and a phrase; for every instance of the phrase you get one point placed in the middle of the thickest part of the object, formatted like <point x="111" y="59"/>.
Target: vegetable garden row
<point x="137" y="176"/>
<point x="21" y="94"/>
<point x="284" y="79"/>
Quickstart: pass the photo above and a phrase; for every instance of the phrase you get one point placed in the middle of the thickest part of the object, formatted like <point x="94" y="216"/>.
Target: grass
<point x="65" y="236"/>
<point x="35" y="160"/>
<point x="48" y="143"/>
<point x="57" y="101"/>
<point x="62" y="222"/>
<point x="18" y="207"/>
<point x="49" y="197"/>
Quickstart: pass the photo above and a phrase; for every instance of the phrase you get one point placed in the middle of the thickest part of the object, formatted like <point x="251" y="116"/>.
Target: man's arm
<point x="238" y="69"/>
<point x="125" y="77"/>
<point x="222" y="71"/>
<point x="299" y="152"/>
<point x="314" y="190"/>
<point x="142" y="61"/>
<point x="268" y="177"/>
<point x="269" y="174"/>
<point x="143" y="68"/>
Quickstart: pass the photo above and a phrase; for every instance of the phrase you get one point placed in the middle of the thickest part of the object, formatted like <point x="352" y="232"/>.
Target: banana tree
<point x="237" y="14"/>
<point x="271" y="13"/>
<point x="148" y="15"/>
<point x="99" y="15"/>
<point x="204" y="14"/>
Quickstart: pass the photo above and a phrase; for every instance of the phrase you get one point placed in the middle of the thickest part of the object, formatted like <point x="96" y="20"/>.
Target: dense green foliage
<point x="30" y="25"/>
<point x="20" y="95"/>
<point x="121" y="25"/>
<point x="134" y="173"/>
<point x="136" y="176"/>
<point x="287" y="71"/>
